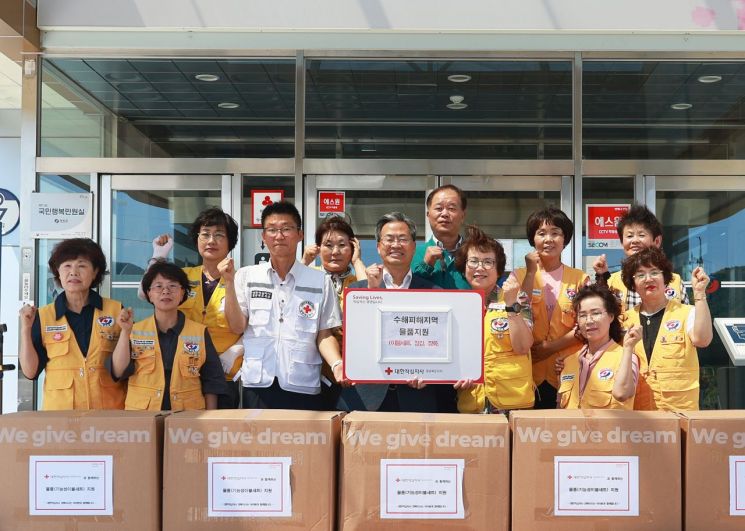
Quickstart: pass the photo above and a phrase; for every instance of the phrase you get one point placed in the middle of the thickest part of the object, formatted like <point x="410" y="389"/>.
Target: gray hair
<point x="392" y="217"/>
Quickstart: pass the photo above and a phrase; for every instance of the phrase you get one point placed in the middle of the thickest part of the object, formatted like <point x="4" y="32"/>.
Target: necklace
<point x="650" y="315"/>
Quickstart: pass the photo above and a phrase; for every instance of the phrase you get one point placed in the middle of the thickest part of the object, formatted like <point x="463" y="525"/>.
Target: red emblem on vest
<point x="57" y="336"/>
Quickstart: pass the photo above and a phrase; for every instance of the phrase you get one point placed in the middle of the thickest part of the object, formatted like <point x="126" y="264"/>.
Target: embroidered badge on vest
<point x="670" y="292"/>
<point x="56" y="328"/>
<point x="191" y="348"/>
<point x="499" y="324"/>
<point x="537" y="292"/>
<point x="672" y="325"/>
<point x="605" y="374"/>
<point x="571" y="293"/>
<point x="307" y="309"/>
<point x="57" y="336"/>
<point x="106" y="321"/>
<point x="567" y="377"/>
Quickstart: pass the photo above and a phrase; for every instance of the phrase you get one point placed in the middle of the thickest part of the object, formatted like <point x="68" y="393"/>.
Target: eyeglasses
<point x="583" y="317"/>
<point x="274" y="231"/>
<point x="650" y="274"/>
<point x="171" y="288"/>
<point x="486" y="263"/>
<point x="207" y="236"/>
<point x="391" y="240"/>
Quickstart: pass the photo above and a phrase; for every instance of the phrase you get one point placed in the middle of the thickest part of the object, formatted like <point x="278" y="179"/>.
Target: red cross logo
<point x="267" y="201"/>
<point x="46" y="477"/>
<point x="223" y="478"/>
<point x="307" y="308"/>
<point x="569" y="477"/>
<point x="388" y="371"/>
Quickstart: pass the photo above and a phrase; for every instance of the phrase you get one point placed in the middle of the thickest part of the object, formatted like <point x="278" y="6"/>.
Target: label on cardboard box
<point x="249" y="487"/>
<point x="737" y="485"/>
<point x="596" y="485"/>
<point x="70" y="485"/>
<point x="421" y="488"/>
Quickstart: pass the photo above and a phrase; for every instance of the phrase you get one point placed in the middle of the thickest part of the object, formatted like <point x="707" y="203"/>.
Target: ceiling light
<point x="459" y="78"/>
<point x="206" y="77"/>
<point x="681" y="106"/>
<point x="709" y="79"/>
<point x="228" y="105"/>
<point x="456" y="103"/>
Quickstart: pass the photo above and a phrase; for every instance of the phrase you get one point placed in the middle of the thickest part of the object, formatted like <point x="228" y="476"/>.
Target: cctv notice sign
<point x="601" y="225"/>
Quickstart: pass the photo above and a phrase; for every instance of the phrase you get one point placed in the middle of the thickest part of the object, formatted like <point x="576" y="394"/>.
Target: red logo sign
<point x="57" y="336"/>
<point x="602" y="221"/>
<point x="330" y="203"/>
<point x="388" y="371"/>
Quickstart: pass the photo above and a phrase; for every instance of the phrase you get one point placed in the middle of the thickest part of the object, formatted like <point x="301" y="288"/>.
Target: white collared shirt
<point x="388" y="280"/>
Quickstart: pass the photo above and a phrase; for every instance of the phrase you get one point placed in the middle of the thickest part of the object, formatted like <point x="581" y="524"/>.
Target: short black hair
<point x="334" y="224"/>
<point x="78" y="248"/>
<point x="215" y="217"/>
<point x="282" y="207"/>
<point x="461" y="194"/>
<point x="639" y="215"/>
<point x="550" y="216"/>
<point x="167" y="270"/>
<point x="610" y="302"/>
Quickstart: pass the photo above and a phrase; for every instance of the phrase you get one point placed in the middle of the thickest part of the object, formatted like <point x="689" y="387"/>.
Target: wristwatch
<point x="515" y="308"/>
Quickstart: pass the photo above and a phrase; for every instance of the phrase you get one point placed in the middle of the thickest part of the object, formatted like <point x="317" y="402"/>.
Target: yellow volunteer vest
<point x="674" y="290"/>
<point x="212" y="315"/>
<point x="598" y="392"/>
<point x="562" y="319"/>
<point x="508" y="377"/>
<point x="147" y="384"/>
<point x="670" y="381"/>
<point x="73" y="381"/>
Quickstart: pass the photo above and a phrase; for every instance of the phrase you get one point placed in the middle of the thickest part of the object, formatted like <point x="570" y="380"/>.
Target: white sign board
<point x="596" y="485"/>
<point x="435" y="335"/>
<point x="70" y="485"/>
<point x="260" y="199"/>
<point x="258" y="487"/>
<point x="421" y="488"/>
<point x="61" y="216"/>
<point x="731" y="331"/>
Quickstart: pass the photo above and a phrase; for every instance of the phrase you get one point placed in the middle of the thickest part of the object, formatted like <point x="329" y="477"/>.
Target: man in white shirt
<point x="286" y="312"/>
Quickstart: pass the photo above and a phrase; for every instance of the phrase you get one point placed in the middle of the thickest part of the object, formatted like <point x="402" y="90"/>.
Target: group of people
<point x="270" y="335"/>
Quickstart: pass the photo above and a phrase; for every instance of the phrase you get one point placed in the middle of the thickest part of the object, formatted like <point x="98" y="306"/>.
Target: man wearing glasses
<point x="286" y="312"/>
<point x="396" y="235"/>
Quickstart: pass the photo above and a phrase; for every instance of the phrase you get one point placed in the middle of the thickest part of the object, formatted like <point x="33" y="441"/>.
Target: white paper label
<point x="737" y="485"/>
<point x="421" y="488"/>
<point x="414" y="336"/>
<point x="596" y="486"/>
<point x="70" y="485"/>
<point x="249" y="486"/>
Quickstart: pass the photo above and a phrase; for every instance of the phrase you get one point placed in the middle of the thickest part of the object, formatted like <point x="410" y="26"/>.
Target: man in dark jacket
<point x="395" y="234"/>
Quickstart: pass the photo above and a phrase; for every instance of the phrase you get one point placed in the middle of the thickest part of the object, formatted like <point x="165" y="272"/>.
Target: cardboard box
<point x="250" y="469"/>
<point x="386" y="485"/>
<point x="714" y="456"/>
<point x="101" y="469"/>
<point x="596" y="469"/>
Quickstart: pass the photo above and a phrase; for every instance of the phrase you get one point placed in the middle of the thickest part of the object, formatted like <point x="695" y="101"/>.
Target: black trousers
<point x="231" y="400"/>
<point x="274" y="397"/>
<point x="545" y="396"/>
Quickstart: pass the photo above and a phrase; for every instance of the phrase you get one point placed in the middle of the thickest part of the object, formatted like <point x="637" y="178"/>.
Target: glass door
<point x="500" y="205"/>
<point x="137" y="208"/>
<point x="366" y="199"/>
<point x="702" y="220"/>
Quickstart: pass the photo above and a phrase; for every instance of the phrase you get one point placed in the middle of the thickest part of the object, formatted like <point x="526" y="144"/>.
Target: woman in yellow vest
<point x="671" y="332"/>
<point x="638" y="229"/>
<point x="604" y="373"/>
<point x="73" y="337"/>
<point x="215" y="234"/>
<point x="340" y="260"/>
<point x="508" y="379"/>
<point x="553" y="287"/>
<point x="169" y="360"/>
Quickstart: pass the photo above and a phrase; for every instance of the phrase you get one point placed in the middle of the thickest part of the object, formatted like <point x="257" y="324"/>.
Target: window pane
<point x="438" y="109"/>
<point x="663" y="110"/>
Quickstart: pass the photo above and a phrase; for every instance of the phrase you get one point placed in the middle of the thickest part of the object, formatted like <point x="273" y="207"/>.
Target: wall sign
<point x="330" y="204"/>
<point x="10" y="211"/>
<point x="61" y="216"/>
<point x="601" y="225"/>
<point x="260" y="199"/>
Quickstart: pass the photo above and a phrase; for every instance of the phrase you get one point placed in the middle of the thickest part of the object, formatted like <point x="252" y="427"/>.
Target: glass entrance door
<point x="702" y="220"/>
<point x="500" y="205"/>
<point x="136" y="209"/>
